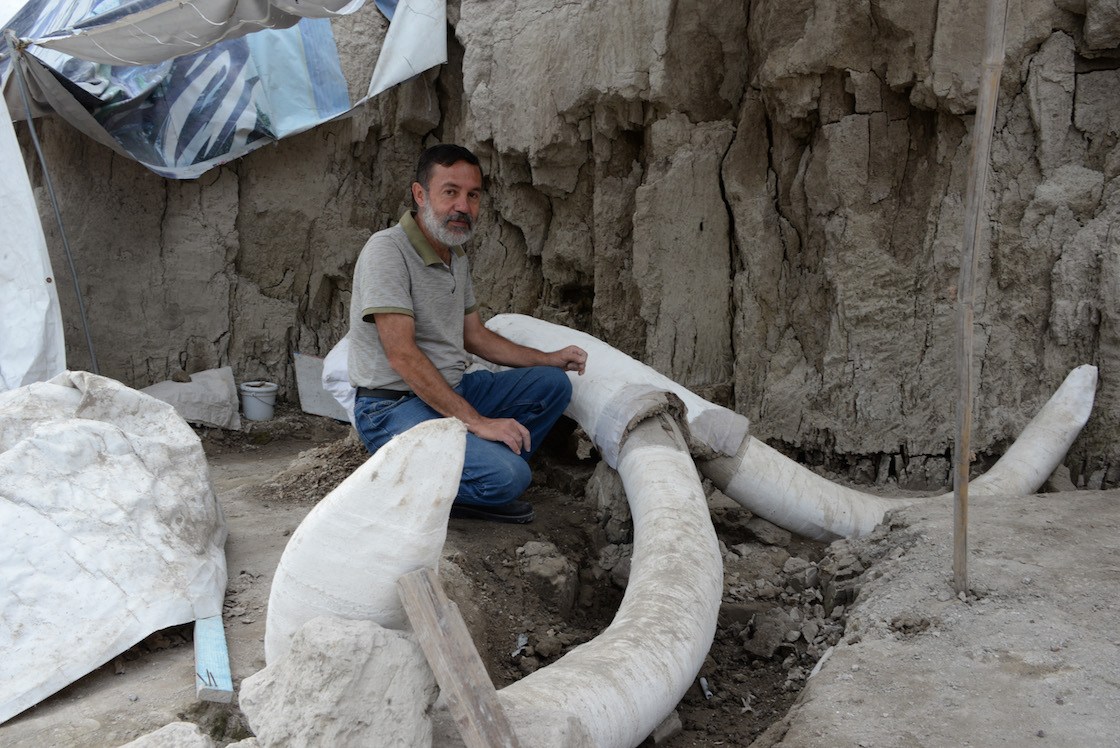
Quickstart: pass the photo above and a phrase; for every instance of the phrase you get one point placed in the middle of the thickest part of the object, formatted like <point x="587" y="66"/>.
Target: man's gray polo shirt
<point x="398" y="271"/>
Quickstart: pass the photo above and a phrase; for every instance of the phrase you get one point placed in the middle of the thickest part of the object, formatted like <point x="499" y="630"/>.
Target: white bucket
<point x="258" y="399"/>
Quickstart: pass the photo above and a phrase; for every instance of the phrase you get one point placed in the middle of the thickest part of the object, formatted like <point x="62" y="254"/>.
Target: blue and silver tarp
<point x="118" y="72"/>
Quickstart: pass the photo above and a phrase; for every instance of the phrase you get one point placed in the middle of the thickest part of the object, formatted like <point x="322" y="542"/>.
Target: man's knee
<point x="515" y="477"/>
<point x="558" y="383"/>
<point x="494" y="477"/>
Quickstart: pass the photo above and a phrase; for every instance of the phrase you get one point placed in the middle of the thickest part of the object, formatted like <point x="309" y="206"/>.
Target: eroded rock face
<point x="763" y="202"/>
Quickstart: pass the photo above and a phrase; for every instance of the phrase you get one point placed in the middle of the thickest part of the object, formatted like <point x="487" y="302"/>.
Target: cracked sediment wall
<point x="763" y="200"/>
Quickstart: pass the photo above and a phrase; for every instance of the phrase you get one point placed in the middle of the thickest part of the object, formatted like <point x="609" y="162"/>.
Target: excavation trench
<point x="531" y="594"/>
<point x="784" y="599"/>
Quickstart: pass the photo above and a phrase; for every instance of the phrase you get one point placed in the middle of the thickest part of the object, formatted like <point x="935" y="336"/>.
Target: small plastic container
<point x="258" y="399"/>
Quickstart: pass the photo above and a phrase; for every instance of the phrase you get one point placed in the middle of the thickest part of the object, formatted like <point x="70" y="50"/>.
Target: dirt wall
<point x="761" y="199"/>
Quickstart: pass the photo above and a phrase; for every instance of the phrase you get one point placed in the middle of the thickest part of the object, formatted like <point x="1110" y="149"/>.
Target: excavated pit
<point x="531" y="593"/>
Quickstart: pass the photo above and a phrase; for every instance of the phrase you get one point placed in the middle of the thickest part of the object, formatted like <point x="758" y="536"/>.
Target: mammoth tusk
<point x="390" y="517"/>
<point x="790" y="495"/>
<point x="386" y="519"/>
<point x="621" y="684"/>
<point x="771" y="485"/>
<point x="785" y="493"/>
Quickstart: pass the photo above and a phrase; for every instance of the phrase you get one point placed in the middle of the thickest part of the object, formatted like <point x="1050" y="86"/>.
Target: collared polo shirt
<point x="398" y="272"/>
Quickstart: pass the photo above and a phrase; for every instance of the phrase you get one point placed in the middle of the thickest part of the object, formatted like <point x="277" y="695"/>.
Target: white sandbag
<point x="111" y="530"/>
<point x="336" y="377"/>
<point x="209" y="399"/>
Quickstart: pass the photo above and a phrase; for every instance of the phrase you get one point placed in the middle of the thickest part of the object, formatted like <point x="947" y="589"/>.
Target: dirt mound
<point x="316" y="472"/>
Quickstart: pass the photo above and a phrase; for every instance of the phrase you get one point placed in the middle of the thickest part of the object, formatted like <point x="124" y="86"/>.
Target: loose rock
<point x="343" y="683"/>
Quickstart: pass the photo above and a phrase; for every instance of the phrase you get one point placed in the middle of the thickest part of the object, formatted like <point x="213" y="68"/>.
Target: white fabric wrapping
<point x="111" y="530"/>
<point x="209" y="399"/>
<point x="387" y="519"/>
<point x="31" y="343"/>
<point x="416" y="41"/>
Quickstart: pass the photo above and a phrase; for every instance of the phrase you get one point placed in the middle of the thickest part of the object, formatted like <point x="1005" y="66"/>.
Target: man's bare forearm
<point x="482" y="341"/>
<point x="499" y="350"/>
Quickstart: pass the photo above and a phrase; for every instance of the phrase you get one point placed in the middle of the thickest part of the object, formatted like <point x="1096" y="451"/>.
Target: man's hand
<point x="504" y="430"/>
<point x="572" y="358"/>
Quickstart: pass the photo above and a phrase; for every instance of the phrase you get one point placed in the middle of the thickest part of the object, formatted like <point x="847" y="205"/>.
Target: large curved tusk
<point x="609" y="371"/>
<point x="790" y="495"/>
<point x="787" y="494"/>
<point x="387" y="519"/>
<point x="624" y="682"/>
<point x="770" y="484"/>
<point x="1042" y="445"/>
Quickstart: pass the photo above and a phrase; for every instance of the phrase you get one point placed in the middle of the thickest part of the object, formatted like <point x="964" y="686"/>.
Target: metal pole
<point x="974" y="206"/>
<point x="17" y="58"/>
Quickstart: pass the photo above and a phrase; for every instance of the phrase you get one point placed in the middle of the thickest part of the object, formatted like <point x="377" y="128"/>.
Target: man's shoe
<point x="515" y="512"/>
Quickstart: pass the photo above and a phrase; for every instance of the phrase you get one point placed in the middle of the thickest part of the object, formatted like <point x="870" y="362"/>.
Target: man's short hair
<point x="444" y="154"/>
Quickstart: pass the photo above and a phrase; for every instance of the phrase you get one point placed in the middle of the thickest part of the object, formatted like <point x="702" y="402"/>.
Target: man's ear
<point x="418" y="194"/>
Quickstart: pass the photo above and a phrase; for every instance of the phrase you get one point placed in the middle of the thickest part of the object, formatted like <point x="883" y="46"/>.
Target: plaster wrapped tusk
<point x="781" y="491"/>
<point x="787" y="494"/>
<point x="608" y="372"/>
<point x="389" y="517"/>
<point x="623" y="683"/>
<point x="771" y="485"/>
<point x="1043" y="444"/>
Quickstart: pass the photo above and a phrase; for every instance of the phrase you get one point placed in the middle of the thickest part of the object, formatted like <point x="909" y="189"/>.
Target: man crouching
<point x="413" y="319"/>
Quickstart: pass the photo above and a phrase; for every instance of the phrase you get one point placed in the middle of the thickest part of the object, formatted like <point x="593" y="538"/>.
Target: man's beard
<point x="440" y="231"/>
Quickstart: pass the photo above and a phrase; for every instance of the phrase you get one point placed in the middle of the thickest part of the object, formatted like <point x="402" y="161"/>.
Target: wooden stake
<point x="974" y="207"/>
<point x="462" y="677"/>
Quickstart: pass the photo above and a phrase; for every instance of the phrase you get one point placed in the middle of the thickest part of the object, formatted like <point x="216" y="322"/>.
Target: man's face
<point x="449" y="207"/>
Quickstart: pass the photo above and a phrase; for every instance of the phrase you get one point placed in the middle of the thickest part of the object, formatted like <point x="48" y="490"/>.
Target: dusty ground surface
<point x="1032" y="656"/>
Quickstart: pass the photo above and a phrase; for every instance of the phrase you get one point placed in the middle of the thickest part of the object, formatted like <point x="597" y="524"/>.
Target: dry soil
<point x="1031" y="655"/>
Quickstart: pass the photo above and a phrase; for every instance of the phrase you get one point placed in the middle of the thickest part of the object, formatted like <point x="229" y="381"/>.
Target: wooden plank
<point x="211" y="661"/>
<point x="977" y="191"/>
<point x="462" y="677"/>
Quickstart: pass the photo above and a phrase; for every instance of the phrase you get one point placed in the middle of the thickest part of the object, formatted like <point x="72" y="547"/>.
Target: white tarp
<point x="111" y="530"/>
<point x="417" y="40"/>
<point x="31" y="344"/>
<point x="209" y="399"/>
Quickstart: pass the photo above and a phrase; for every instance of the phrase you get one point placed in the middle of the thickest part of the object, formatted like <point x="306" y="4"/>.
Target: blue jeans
<point x="492" y="474"/>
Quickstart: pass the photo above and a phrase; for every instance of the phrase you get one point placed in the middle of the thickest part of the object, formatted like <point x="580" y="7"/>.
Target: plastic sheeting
<point x="31" y="344"/>
<point x="184" y="87"/>
<point x="142" y="32"/>
<point x="336" y="377"/>
<point x="209" y="399"/>
<point x="185" y="116"/>
<point x="417" y="40"/>
<point x="111" y="530"/>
